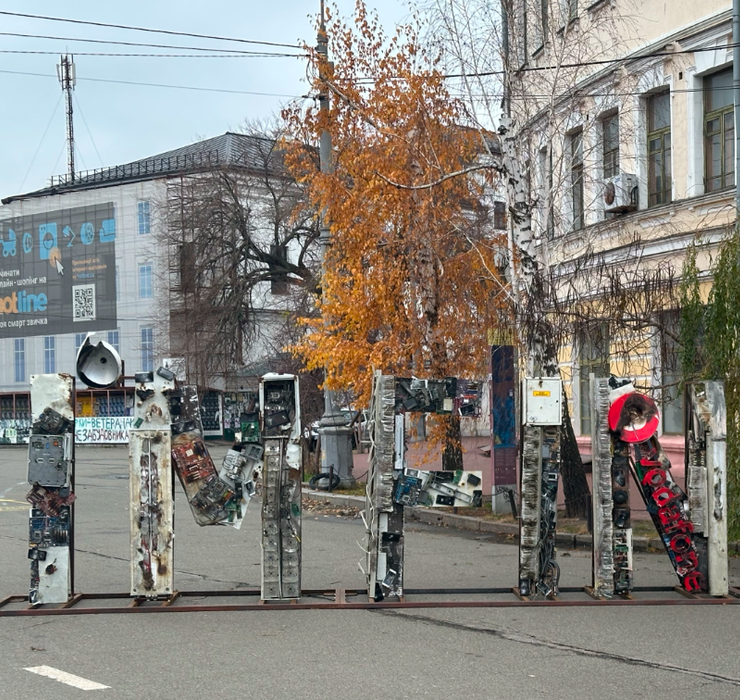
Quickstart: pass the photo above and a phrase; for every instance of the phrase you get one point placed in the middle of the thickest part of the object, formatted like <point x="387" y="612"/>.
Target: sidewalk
<point x="509" y="531"/>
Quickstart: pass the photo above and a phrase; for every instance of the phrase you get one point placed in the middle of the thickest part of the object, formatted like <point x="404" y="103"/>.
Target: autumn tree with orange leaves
<point x="412" y="282"/>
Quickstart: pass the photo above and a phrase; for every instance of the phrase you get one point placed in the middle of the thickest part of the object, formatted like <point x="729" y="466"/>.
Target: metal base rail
<point x="339" y="599"/>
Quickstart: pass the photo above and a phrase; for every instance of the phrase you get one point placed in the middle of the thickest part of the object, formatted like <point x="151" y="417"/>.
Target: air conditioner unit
<point x="620" y="193"/>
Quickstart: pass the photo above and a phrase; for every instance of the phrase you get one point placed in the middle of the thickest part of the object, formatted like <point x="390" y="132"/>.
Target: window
<point x="670" y="366"/>
<point x="113" y="340"/>
<point x="538" y="25"/>
<point x="187" y="267"/>
<point x="593" y="359"/>
<point x="144" y="220"/>
<point x="147" y="349"/>
<point x="279" y="277"/>
<point x="719" y="132"/>
<point x="20" y="359"/>
<point x="611" y="145"/>
<point x="145" y="281"/>
<point x="49" y="354"/>
<point x="568" y="11"/>
<point x="659" y="148"/>
<point x="79" y="339"/>
<point x="519" y="34"/>
<point x="576" y="179"/>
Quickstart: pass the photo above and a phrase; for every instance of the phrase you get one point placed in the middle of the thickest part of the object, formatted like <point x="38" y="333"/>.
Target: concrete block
<point x="501" y="528"/>
<point x="565" y="540"/>
<point x="462" y="522"/>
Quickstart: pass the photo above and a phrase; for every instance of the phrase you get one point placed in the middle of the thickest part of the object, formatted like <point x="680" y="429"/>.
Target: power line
<point x="137" y="43"/>
<point x="254" y="54"/>
<point x="579" y="64"/>
<point x="145" y="29"/>
<point x="160" y="85"/>
<point x="583" y="64"/>
<point x="38" y="148"/>
<point x="584" y="93"/>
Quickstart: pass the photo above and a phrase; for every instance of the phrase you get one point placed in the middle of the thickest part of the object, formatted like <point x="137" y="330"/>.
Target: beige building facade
<point x="627" y="126"/>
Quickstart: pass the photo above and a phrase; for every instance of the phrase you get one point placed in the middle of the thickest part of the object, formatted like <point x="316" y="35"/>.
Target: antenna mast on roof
<point x="67" y="77"/>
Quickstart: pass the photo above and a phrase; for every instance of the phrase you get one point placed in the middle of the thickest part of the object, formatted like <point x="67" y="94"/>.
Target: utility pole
<point x="336" y="435"/>
<point x="67" y="77"/>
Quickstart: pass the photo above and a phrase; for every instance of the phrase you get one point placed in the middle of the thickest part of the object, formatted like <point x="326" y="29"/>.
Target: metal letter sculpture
<point x="281" y="487"/>
<point x="151" y="486"/>
<point x="539" y="572"/>
<point x="51" y="474"/>
<point x="216" y="497"/>
<point x="391" y="485"/>
<point x="693" y="528"/>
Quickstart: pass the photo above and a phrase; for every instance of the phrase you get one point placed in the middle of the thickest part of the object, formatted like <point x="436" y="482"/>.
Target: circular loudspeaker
<point x="634" y="417"/>
<point x="98" y="364"/>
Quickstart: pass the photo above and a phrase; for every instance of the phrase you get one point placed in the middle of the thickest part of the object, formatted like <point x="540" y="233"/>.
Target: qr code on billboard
<point x="83" y="302"/>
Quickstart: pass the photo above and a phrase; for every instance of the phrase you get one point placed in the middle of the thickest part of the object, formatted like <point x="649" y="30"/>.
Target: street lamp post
<point x="336" y="435"/>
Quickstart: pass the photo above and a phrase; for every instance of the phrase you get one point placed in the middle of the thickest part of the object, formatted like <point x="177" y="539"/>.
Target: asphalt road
<point x="573" y="653"/>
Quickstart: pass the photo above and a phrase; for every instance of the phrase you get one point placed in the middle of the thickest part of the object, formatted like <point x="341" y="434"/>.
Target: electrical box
<point x="48" y="459"/>
<point x="542" y="399"/>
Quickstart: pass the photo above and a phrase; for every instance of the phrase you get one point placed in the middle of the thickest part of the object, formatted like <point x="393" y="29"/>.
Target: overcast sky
<point x="115" y="122"/>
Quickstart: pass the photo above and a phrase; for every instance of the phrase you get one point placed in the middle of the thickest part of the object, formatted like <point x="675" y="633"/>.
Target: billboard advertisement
<point x="58" y="272"/>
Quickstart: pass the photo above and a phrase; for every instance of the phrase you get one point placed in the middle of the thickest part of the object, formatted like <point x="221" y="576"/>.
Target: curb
<point x="430" y="516"/>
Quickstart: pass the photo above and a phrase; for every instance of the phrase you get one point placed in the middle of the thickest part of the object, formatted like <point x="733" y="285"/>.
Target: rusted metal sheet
<point x="150" y="488"/>
<point x="51" y="475"/>
<point x="341" y="600"/>
<point x="152" y="511"/>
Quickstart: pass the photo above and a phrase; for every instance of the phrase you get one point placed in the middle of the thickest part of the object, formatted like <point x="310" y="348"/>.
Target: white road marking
<point x="10" y="488"/>
<point x="68" y="678"/>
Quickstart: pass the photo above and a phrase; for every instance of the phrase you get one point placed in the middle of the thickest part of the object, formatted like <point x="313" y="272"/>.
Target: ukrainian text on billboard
<point x="58" y="272"/>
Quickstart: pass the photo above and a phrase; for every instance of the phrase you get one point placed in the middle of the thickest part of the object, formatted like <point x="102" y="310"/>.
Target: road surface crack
<point x="522" y="638"/>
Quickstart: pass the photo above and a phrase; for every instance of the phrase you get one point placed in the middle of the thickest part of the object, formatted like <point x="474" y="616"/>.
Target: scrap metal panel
<point x="531" y="494"/>
<point x="539" y="572"/>
<point x="602" y="502"/>
<point x="281" y="487"/>
<point x="215" y="496"/>
<point x="150" y="487"/>
<point x="706" y="446"/>
<point x="391" y="485"/>
<point x="51" y="475"/>
<point x="384" y="517"/>
<point x="152" y="513"/>
<point x="53" y="585"/>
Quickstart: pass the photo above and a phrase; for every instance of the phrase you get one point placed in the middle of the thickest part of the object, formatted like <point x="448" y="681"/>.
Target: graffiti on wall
<point x="103" y="431"/>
